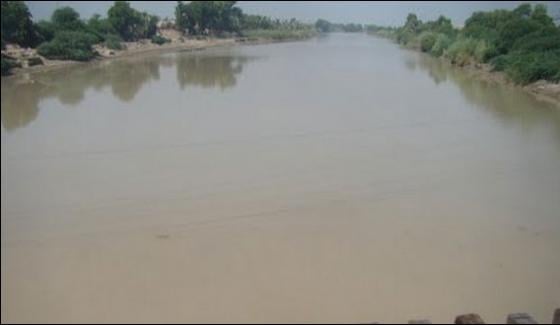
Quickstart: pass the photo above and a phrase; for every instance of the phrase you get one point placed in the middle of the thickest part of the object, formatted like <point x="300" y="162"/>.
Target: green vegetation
<point x="254" y="26"/>
<point x="524" y="42"/>
<point x="68" y="37"/>
<point x="159" y="40"/>
<point x="131" y="24"/>
<point x="223" y="18"/>
<point x="69" y="45"/>
<point x="102" y="28"/>
<point x="279" y="34"/>
<point x="114" y="42"/>
<point x="7" y="64"/>
<point x="17" y="26"/>
<point x="208" y="17"/>
<point x="325" y="26"/>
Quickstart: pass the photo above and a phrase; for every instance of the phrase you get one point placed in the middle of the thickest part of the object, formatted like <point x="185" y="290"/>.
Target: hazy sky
<point x="381" y="13"/>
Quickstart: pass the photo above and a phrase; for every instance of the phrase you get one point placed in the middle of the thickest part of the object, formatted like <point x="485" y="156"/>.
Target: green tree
<point x="208" y="17"/>
<point x="66" y="18"/>
<point x="17" y="26"/>
<point x="124" y="20"/>
<point x="323" y="26"/>
<point x="100" y="26"/>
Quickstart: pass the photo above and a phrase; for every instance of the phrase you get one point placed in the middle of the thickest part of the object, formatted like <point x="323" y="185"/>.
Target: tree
<point x="208" y="17"/>
<point x="523" y="10"/>
<point x="323" y="26"/>
<point x="540" y="14"/>
<point x="131" y="24"/>
<point x="100" y="26"/>
<point x="66" y="18"/>
<point x="412" y="23"/>
<point x="17" y="26"/>
<point x="124" y="19"/>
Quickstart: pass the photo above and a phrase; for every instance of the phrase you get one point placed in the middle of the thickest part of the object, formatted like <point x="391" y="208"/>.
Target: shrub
<point x="462" y="51"/>
<point x="68" y="45"/>
<point x="427" y="41"/>
<point x="483" y="51"/>
<point x="441" y="45"/>
<point x="528" y="67"/>
<point x="159" y="40"/>
<point x="113" y="42"/>
<point x="7" y="64"/>
<point x="499" y="63"/>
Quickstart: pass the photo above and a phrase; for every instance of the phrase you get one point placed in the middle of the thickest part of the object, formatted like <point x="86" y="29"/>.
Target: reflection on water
<point x="209" y="71"/>
<point x="503" y="102"/>
<point x="124" y="77"/>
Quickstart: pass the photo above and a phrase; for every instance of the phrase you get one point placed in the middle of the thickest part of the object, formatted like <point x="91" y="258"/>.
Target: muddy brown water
<point x="340" y="179"/>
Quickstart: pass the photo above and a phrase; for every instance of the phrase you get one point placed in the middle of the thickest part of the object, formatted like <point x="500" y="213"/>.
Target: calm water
<point x="333" y="180"/>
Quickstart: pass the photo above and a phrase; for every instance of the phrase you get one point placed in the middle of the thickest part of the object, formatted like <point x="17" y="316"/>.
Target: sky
<point x="386" y="13"/>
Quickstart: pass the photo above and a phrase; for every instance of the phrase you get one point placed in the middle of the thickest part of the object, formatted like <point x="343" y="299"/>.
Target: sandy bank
<point x="144" y="46"/>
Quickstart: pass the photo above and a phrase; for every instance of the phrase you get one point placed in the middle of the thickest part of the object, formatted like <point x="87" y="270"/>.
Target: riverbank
<point x="542" y="89"/>
<point x="28" y="61"/>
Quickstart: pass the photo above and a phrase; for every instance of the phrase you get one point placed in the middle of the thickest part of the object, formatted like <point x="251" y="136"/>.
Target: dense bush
<point x="500" y="62"/>
<point x="441" y="45"/>
<point x="159" y="40"/>
<point x="526" y="67"/>
<point x="7" y="64"/>
<point x="462" y="51"/>
<point x="113" y="42"/>
<point x="427" y="41"/>
<point x="523" y="42"/>
<point x="67" y="45"/>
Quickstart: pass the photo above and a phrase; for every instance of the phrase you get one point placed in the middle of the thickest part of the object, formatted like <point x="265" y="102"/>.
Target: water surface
<point x="339" y="179"/>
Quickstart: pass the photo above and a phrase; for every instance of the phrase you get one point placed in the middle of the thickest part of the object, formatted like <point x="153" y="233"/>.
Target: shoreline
<point x="143" y="47"/>
<point x="542" y="90"/>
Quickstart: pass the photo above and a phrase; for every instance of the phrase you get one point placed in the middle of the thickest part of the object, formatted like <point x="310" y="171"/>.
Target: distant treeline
<point x="325" y="26"/>
<point x="524" y="42"/>
<point x="68" y="37"/>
